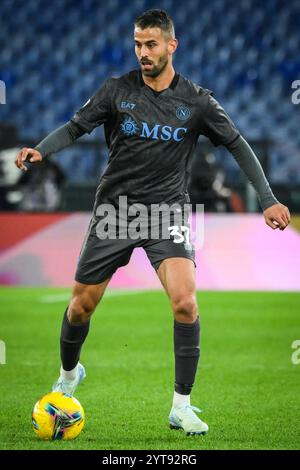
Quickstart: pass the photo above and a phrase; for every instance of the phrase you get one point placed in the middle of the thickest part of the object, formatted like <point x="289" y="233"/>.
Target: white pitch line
<point x="53" y="298"/>
<point x="49" y="299"/>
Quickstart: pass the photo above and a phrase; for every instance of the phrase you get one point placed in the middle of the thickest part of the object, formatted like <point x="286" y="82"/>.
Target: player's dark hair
<point x="156" y="18"/>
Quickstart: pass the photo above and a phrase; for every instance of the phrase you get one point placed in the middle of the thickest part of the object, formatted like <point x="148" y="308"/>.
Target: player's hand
<point x="277" y="216"/>
<point x="27" y="154"/>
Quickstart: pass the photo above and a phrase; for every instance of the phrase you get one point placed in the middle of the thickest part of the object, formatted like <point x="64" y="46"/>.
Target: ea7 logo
<point x="126" y="105"/>
<point x="296" y="354"/>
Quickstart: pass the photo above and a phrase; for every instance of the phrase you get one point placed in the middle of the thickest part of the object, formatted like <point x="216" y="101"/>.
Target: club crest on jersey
<point x="183" y="112"/>
<point x="129" y="126"/>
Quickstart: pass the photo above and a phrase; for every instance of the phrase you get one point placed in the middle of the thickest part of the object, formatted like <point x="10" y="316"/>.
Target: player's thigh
<point x="178" y="277"/>
<point x="87" y="296"/>
<point x="100" y="258"/>
<point x="174" y="264"/>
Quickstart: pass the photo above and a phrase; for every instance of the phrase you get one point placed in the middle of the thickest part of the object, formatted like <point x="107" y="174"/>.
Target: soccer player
<point x="152" y="118"/>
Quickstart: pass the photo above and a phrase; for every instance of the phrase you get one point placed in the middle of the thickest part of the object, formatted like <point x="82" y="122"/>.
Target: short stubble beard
<point x="157" y="69"/>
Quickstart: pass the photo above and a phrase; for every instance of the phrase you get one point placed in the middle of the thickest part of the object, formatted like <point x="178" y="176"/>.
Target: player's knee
<point x="185" y="308"/>
<point x="80" y="310"/>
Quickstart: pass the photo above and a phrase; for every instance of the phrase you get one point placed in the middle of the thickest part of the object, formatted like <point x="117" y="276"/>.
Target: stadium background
<point x="53" y="57"/>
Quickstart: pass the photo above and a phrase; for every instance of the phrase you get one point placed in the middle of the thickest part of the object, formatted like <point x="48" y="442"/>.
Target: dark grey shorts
<point x="99" y="259"/>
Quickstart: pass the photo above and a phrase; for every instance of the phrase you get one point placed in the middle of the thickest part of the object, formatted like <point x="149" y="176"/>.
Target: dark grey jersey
<point x="151" y="136"/>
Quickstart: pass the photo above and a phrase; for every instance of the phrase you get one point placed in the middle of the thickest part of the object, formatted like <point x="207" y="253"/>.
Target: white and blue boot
<point x="69" y="386"/>
<point x="184" y="417"/>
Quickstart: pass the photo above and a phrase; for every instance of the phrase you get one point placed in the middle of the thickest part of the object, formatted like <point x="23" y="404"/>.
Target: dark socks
<point x="71" y="340"/>
<point x="187" y="353"/>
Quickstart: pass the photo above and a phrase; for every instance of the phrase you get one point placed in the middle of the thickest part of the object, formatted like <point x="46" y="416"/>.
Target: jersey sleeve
<point x="217" y="125"/>
<point x="96" y="110"/>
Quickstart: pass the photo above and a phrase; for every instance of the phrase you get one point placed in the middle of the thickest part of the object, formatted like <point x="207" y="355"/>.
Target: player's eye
<point x="150" y="46"/>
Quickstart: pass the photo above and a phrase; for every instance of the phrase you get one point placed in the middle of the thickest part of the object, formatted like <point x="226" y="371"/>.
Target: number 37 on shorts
<point x="181" y="233"/>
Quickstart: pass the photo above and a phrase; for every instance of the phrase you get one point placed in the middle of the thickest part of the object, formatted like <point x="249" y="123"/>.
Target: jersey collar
<point x="172" y="84"/>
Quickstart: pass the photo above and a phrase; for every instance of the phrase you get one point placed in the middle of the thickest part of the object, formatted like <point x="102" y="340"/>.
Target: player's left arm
<point x="276" y="214"/>
<point x="219" y="128"/>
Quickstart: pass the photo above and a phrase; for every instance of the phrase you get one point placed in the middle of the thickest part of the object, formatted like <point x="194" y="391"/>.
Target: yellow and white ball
<point x="57" y="416"/>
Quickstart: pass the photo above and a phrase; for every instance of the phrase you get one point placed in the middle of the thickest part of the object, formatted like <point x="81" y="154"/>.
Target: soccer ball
<point x="57" y="416"/>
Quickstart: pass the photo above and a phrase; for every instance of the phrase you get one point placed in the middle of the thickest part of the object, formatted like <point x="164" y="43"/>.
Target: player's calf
<point x="85" y="298"/>
<point x="71" y="340"/>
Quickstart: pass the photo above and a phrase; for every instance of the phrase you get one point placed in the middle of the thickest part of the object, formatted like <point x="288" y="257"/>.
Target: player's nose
<point x="144" y="52"/>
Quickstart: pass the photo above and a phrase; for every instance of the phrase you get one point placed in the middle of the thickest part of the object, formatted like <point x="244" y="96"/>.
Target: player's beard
<point x="157" y="69"/>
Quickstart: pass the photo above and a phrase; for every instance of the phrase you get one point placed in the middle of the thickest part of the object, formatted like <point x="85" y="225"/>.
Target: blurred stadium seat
<point x="52" y="59"/>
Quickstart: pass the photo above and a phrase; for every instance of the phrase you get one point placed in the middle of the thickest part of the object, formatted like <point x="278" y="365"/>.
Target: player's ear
<point x="172" y="45"/>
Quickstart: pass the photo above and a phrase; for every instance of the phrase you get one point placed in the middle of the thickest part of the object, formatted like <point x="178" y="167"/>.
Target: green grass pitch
<point x="246" y="385"/>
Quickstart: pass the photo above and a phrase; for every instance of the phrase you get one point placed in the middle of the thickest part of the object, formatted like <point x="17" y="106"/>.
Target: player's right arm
<point x="94" y="113"/>
<point x="28" y="154"/>
<point x="57" y="140"/>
